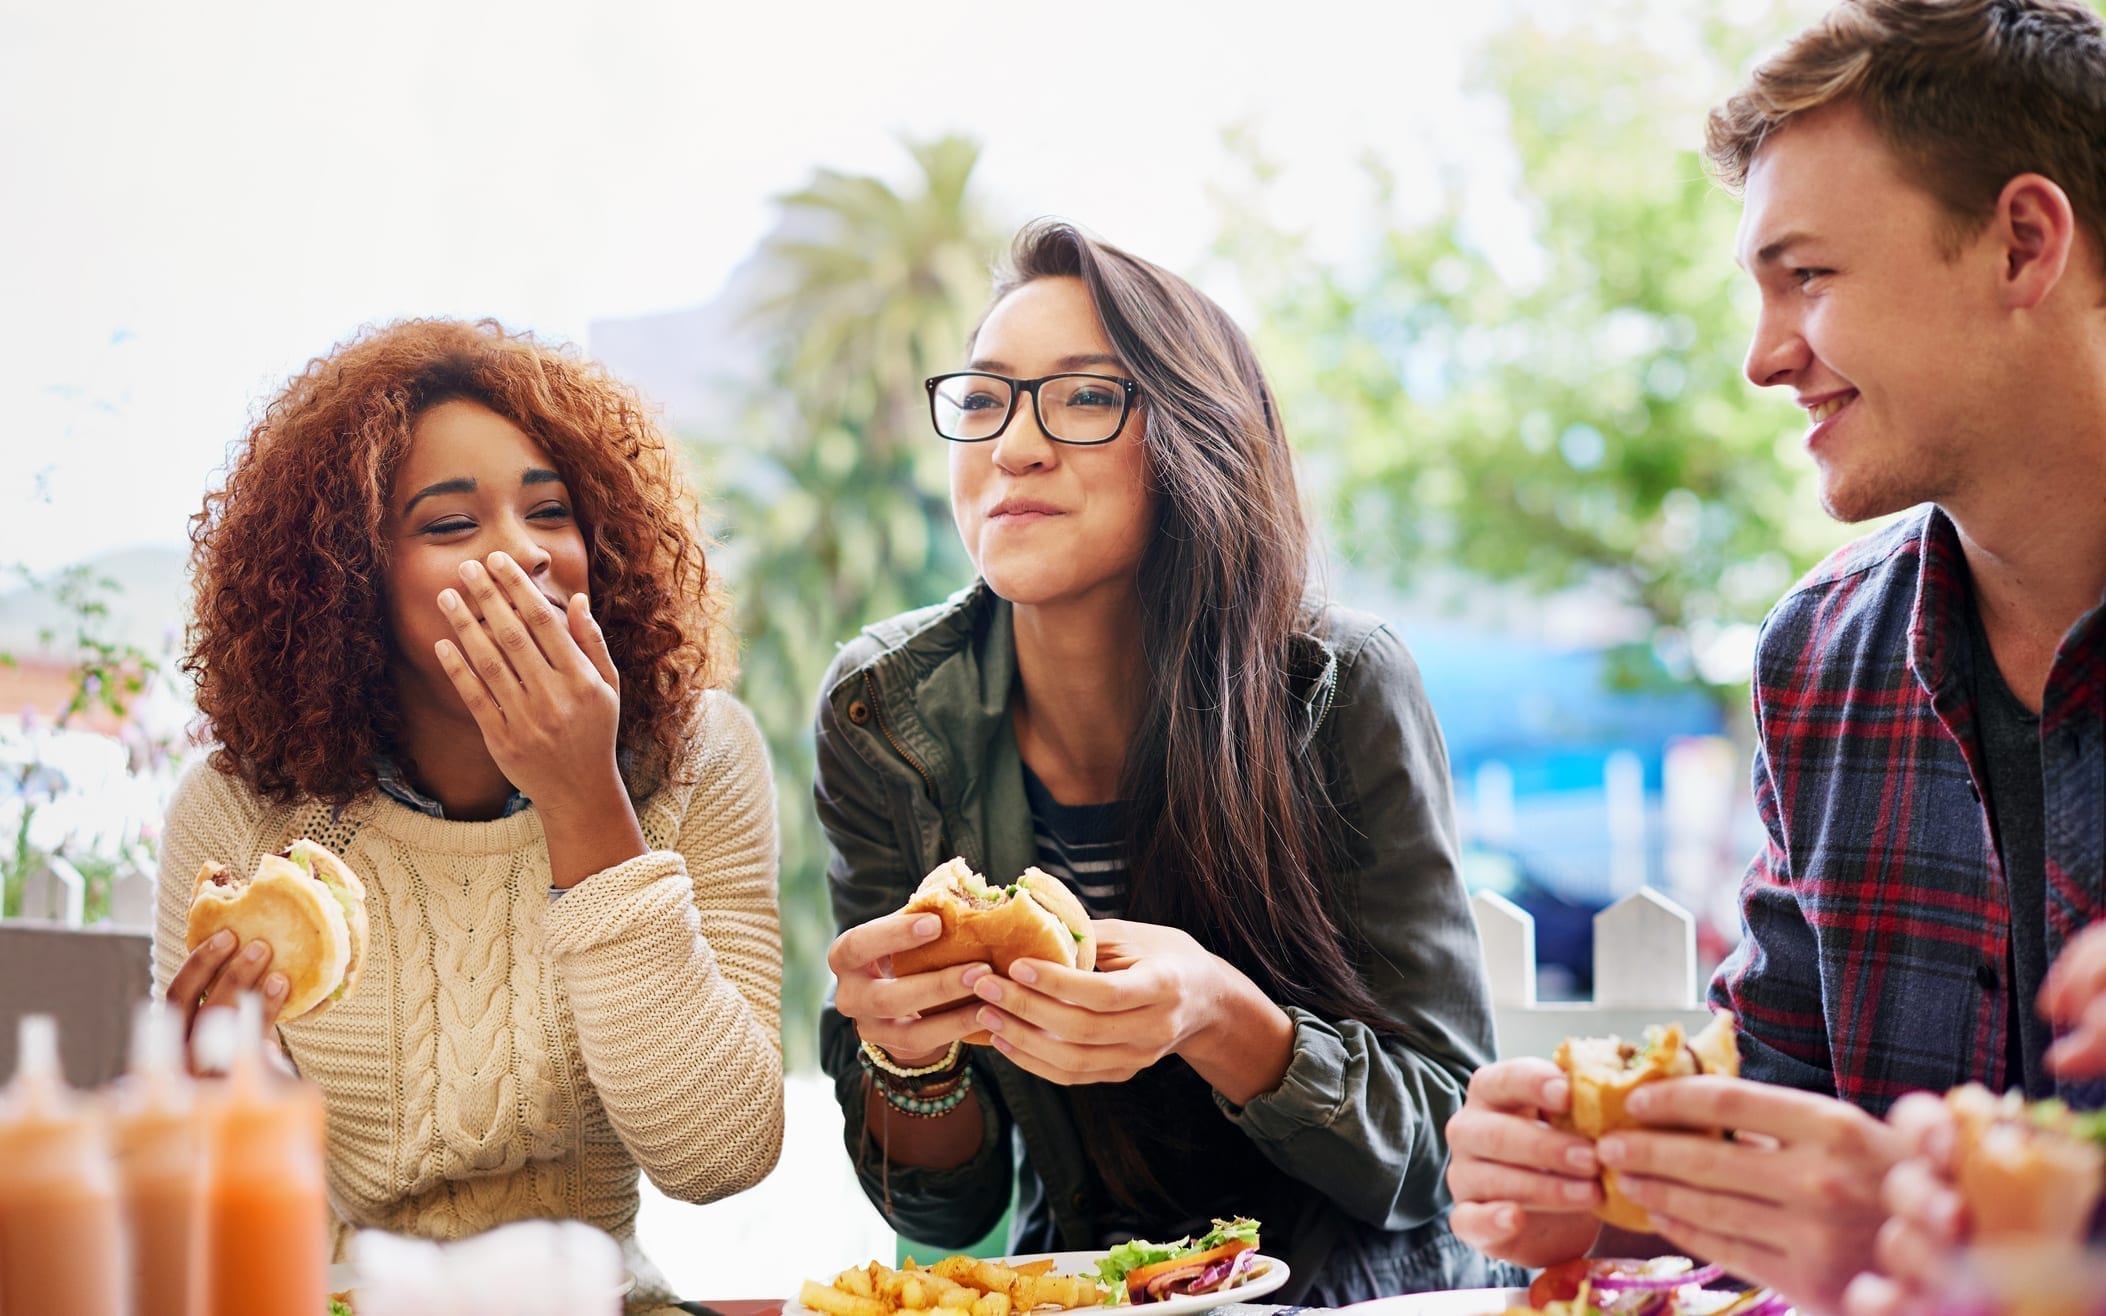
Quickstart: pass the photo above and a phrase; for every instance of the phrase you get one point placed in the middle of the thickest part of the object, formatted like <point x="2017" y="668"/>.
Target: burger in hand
<point x="2029" y="1171"/>
<point x="1605" y="1071"/>
<point x="1035" y="917"/>
<point x="306" y="905"/>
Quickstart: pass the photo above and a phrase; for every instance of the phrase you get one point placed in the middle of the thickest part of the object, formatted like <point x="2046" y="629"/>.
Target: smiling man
<point x="1925" y="217"/>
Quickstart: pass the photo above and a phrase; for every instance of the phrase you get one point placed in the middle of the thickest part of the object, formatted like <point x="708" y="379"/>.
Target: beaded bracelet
<point x="928" y="1107"/>
<point x="879" y="1060"/>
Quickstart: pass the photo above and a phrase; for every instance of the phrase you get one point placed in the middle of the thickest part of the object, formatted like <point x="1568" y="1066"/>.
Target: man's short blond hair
<point x="1967" y="93"/>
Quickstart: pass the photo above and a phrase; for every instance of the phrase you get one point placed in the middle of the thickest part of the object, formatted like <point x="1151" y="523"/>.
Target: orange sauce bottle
<point x="154" y="1124"/>
<point x="61" y="1238"/>
<point x="265" y="1208"/>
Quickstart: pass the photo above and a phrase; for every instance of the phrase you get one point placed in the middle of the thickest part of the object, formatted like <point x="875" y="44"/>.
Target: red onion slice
<point x="1654" y="1283"/>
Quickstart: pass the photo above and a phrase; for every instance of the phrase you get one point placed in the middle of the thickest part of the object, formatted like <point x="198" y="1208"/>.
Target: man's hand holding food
<point x="1792" y="1200"/>
<point x="1789" y="1199"/>
<point x="1524" y="1191"/>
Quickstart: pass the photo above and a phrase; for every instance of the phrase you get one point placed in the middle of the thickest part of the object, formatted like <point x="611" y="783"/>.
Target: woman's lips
<point x="1022" y="509"/>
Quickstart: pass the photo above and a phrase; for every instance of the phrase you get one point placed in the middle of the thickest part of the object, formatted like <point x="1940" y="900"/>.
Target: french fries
<point x="954" y="1286"/>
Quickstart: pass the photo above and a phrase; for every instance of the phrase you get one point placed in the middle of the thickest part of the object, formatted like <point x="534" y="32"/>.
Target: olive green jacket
<point x="917" y="762"/>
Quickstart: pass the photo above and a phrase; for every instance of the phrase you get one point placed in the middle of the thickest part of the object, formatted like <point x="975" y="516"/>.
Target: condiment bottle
<point x="266" y="1213"/>
<point x="61" y="1237"/>
<point x="158" y="1142"/>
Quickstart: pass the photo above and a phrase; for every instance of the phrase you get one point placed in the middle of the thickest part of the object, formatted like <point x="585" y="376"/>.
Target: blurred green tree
<point x="1563" y="407"/>
<point x="833" y="487"/>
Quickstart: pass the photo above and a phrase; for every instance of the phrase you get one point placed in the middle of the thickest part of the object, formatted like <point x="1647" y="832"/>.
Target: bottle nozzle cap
<point x="248" y="1014"/>
<point x="157" y="1039"/>
<point x="230" y="1042"/>
<point x="212" y="1041"/>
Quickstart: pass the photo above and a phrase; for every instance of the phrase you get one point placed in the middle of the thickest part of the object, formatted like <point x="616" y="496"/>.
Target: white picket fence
<point x="1645" y="972"/>
<point x="56" y="892"/>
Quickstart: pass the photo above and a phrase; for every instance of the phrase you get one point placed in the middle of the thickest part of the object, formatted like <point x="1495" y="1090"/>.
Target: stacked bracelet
<point x="929" y="1107"/>
<point x="924" y="1091"/>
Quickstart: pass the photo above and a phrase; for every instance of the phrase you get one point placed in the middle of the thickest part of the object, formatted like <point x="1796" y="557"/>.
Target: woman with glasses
<point x="1143" y="696"/>
<point x="454" y="621"/>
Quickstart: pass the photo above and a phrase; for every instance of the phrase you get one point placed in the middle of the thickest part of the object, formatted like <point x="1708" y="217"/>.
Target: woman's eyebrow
<point x="538" y="475"/>
<point x="460" y="484"/>
<point x="1074" y="362"/>
<point x="1080" y="360"/>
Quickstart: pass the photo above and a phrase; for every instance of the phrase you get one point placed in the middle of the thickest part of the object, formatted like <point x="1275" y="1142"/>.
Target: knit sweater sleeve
<point x="673" y="965"/>
<point x="212" y="818"/>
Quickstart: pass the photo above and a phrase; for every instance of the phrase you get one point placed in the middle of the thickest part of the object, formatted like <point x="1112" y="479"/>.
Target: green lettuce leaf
<point x="1134" y="1255"/>
<point x="1228" y="1231"/>
<point x="1131" y="1256"/>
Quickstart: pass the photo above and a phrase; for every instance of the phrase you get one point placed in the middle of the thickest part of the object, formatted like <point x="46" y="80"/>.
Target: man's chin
<point x="1855" y="503"/>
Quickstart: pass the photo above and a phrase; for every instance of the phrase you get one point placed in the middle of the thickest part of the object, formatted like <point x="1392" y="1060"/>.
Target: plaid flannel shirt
<point x="1877" y="923"/>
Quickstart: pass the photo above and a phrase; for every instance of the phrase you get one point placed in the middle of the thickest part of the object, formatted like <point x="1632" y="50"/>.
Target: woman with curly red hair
<point x="454" y="620"/>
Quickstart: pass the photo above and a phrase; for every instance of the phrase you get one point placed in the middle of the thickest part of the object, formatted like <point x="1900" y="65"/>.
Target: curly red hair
<point x="290" y="645"/>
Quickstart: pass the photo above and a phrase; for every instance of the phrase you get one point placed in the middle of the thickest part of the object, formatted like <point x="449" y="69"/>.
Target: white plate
<point x="1085" y="1263"/>
<point x="1481" y="1302"/>
<point x="1454" y="1302"/>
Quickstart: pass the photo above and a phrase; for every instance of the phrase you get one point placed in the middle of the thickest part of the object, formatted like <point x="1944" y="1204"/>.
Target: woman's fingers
<point x="859" y="949"/>
<point x="197" y="973"/>
<point x="903" y="998"/>
<point x="546" y="621"/>
<point x="217" y="973"/>
<point x="475" y="696"/>
<point x="1082" y="1023"/>
<point x="500" y="621"/>
<point x="585" y="629"/>
<point x="471" y="635"/>
<point x="244" y="972"/>
<point x="914" y="1042"/>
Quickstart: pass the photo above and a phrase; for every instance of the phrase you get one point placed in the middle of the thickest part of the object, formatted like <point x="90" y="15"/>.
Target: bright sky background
<point x="196" y="199"/>
<point x="199" y="198"/>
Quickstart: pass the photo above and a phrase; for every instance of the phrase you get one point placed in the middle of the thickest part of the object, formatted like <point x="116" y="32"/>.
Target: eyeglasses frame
<point x="1019" y="387"/>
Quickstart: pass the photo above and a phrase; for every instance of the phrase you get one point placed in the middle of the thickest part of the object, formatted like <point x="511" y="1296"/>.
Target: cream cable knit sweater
<point x="507" y="1054"/>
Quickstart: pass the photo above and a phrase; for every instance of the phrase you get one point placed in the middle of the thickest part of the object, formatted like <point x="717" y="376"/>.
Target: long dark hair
<point x="1231" y="832"/>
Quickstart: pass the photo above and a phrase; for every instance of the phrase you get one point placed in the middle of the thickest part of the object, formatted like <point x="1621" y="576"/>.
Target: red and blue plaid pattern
<point x="1878" y="927"/>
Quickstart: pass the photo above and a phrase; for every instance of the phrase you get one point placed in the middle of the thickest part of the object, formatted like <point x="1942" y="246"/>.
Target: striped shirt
<point x="1082" y="845"/>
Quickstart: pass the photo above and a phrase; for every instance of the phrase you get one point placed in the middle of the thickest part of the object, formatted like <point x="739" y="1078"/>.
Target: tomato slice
<point x="1560" y="1283"/>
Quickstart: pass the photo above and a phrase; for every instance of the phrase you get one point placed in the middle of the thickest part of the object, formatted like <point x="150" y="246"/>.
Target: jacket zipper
<point x="877" y="710"/>
<point x="1323" y="711"/>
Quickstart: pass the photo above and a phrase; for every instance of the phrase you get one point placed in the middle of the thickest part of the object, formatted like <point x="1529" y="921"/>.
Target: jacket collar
<point x="944" y="674"/>
<point x="1938" y="615"/>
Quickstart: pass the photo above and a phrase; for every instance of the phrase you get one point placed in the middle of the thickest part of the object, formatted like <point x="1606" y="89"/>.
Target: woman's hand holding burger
<point x="914" y="1016"/>
<point x="1155" y="992"/>
<point x="1024" y="968"/>
<point x="539" y="681"/>
<point x="215" y="975"/>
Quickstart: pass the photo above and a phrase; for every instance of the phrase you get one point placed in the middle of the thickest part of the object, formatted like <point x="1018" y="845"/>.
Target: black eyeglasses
<point x="971" y="407"/>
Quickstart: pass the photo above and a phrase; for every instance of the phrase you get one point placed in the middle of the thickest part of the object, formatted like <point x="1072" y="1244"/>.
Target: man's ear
<point x="2037" y="229"/>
